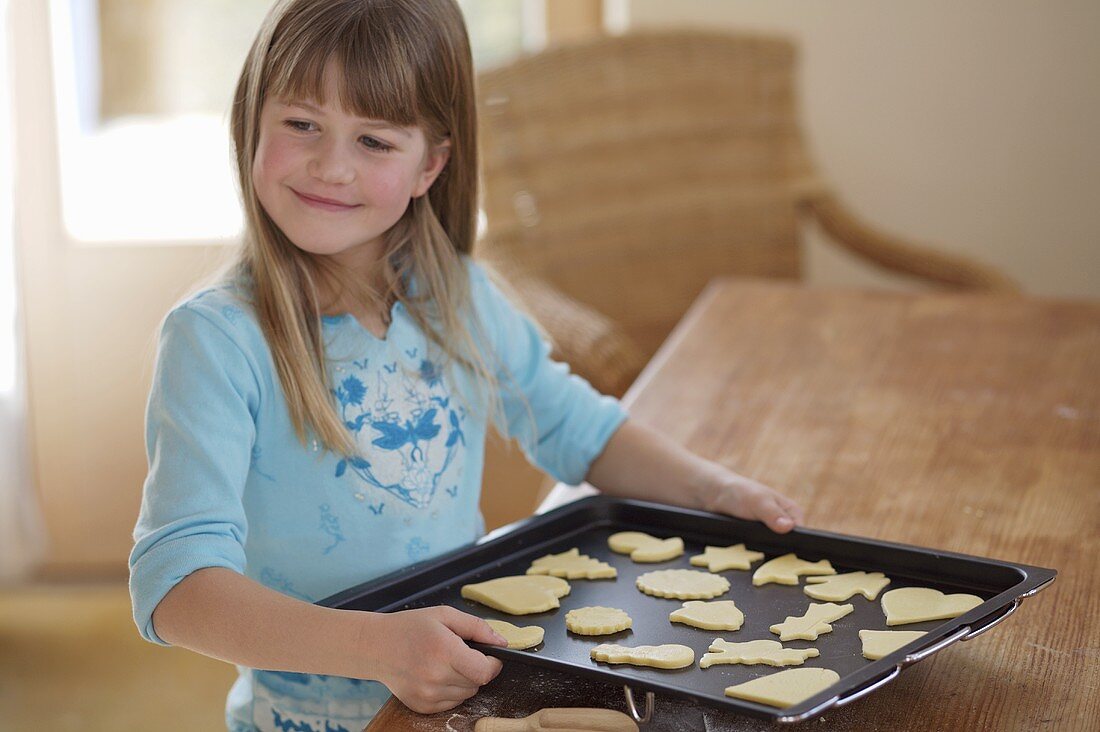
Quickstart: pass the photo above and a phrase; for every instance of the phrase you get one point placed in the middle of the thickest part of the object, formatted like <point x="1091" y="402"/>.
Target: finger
<point x="793" y="510"/>
<point x="474" y="666"/>
<point x="471" y="627"/>
<point x="440" y="705"/>
<point x="775" y="516"/>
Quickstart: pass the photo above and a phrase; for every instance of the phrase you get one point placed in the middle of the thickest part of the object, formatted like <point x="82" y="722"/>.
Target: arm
<point x="418" y="654"/>
<point x="187" y="566"/>
<point x="639" y="462"/>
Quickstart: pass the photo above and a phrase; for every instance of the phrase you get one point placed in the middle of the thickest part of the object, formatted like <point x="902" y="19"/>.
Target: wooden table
<point x="969" y="423"/>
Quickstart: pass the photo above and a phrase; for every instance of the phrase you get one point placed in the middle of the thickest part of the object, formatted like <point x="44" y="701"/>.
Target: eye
<point x="373" y="143"/>
<point x="298" y="125"/>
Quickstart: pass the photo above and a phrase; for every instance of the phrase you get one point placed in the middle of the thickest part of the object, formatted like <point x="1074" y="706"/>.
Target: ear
<point x="435" y="160"/>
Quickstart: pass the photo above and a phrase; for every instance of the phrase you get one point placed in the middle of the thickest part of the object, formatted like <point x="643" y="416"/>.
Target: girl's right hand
<point x="423" y="660"/>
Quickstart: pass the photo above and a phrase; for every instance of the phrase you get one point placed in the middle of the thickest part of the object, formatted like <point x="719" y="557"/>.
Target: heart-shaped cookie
<point x="520" y="595"/>
<point x="917" y="604"/>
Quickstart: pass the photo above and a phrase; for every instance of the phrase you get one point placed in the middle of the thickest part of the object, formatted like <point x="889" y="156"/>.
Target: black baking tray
<point x="587" y="523"/>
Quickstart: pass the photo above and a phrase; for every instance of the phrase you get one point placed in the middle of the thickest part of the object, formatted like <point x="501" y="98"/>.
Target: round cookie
<point x="682" y="584"/>
<point x="597" y="620"/>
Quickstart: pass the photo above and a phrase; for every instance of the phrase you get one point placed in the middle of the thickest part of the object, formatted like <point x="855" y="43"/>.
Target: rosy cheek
<point x="391" y="183"/>
<point x="276" y="155"/>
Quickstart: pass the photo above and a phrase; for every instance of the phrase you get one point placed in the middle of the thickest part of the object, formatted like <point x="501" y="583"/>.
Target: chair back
<point x="627" y="171"/>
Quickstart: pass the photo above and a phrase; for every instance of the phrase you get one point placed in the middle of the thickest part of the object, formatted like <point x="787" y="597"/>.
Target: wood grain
<point x="969" y="423"/>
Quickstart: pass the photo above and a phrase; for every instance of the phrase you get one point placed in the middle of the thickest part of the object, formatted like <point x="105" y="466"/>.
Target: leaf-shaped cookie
<point x="572" y="565"/>
<point x="717" y="615"/>
<point x="721" y="558"/>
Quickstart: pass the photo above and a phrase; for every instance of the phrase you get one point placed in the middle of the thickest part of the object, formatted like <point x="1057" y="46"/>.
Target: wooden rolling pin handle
<point x="562" y="719"/>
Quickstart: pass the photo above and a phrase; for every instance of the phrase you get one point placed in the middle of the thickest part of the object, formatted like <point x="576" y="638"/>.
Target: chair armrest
<point x="898" y="255"/>
<point x="593" y="345"/>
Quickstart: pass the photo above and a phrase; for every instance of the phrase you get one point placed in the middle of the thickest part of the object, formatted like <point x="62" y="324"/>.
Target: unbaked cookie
<point x="597" y="620"/>
<point x="786" y="688"/>
<point x="719" y="559"/>
<point x="753" y="652"/>
<point x="520" y="595"/>
<point x="670" y="655"/>
<point x="645" y="548"/>
<point x="518" y="638"/>
<point x="813" y="623"/>
<point x="917" y="604"/>
<point x="717" y="615"/>
<point x="572" y="565"/>
<point x="842" y="586"/>
<point x="786" y="569"/>
<point x="682" y="584"/>
<point x="879" y="643"/>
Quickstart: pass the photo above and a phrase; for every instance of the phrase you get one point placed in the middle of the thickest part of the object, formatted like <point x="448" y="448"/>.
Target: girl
<point x="318" y="417"/>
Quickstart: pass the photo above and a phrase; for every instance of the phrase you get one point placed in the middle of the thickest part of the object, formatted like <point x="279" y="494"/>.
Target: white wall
<point x="972" y="124"/>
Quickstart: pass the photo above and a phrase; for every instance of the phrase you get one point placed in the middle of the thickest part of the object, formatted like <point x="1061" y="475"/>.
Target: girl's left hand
<point x="746" y="498"/>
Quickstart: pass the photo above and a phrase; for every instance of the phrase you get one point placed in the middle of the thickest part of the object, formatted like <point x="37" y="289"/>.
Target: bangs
<point x="376" y="68"/>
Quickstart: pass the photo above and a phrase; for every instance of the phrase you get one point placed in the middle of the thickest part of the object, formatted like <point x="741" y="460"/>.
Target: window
<point x="143" y="90"/>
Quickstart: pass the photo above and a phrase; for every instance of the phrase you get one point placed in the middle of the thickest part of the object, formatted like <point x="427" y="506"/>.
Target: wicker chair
<point x="623" y="173"/>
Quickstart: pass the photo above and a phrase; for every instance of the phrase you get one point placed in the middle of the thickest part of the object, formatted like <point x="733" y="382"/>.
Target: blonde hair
<point x="407" y="62"/>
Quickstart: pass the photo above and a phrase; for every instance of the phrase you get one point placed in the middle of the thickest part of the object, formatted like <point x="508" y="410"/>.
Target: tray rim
<point x="853" y="686"/>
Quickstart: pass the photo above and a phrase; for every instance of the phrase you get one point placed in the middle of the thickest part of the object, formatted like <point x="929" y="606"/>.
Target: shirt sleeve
<point x="200" y="428"/>
<point x="560" y="421"/>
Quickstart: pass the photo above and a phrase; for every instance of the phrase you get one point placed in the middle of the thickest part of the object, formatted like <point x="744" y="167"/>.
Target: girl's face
<point x="334" y="183"/>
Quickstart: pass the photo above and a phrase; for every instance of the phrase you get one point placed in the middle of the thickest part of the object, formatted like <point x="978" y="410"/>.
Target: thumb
<point x="472" y="628"/>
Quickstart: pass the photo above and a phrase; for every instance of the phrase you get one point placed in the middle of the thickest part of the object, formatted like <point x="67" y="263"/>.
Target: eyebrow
<point x="365" y="120"/>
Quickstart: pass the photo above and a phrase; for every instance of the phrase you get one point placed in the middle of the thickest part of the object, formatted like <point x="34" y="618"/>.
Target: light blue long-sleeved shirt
<point x="230" y="485"/>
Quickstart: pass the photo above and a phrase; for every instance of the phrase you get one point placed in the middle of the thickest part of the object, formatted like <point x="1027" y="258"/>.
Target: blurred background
<point x="969" y="125"/>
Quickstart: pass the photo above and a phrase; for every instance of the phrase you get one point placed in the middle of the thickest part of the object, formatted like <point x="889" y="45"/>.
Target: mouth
<point x="325" y="204"/>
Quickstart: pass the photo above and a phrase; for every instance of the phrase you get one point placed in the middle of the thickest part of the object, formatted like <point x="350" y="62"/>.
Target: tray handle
<point x="1009" y="609"/>
<point x="633" y="708"/>
<point x="961" y="634"/>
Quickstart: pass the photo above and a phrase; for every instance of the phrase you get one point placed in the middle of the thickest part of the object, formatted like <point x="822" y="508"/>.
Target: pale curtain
<point x="21" y="533"/>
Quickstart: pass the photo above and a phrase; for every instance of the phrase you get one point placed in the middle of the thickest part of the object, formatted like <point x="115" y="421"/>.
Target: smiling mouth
<point x="323" y="203"/>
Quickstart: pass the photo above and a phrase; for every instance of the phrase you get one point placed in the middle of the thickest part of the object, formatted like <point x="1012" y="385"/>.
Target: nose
<point x="330" y="164"/>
